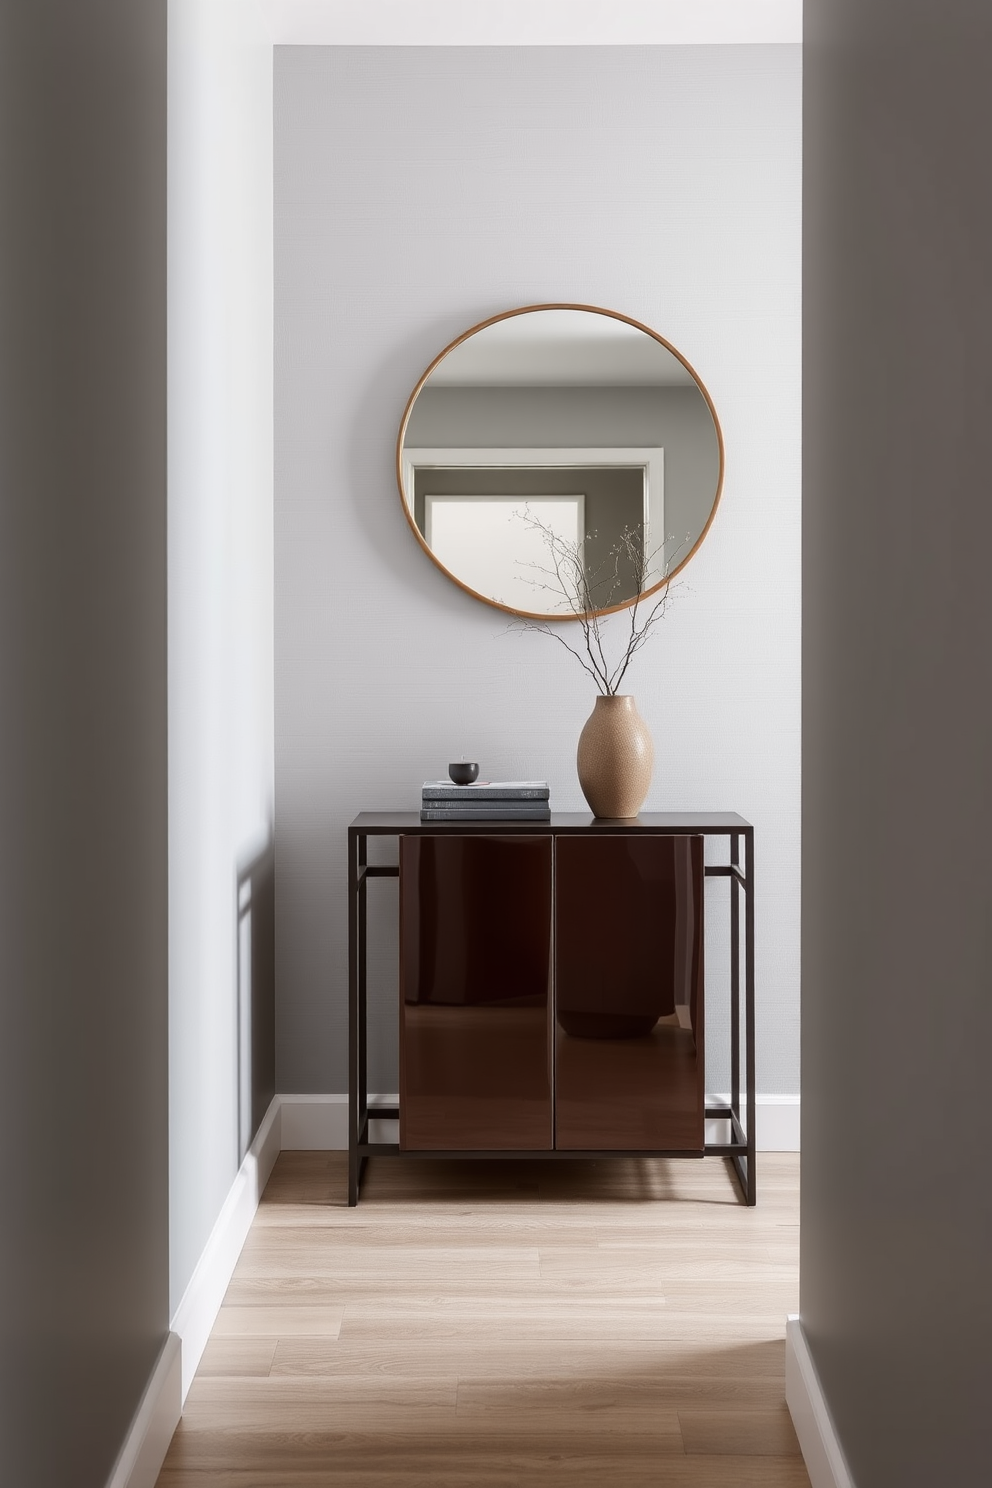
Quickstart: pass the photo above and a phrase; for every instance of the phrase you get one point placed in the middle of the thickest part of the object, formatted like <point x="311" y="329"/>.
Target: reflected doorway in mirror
<point x="481" y="539"/>
<point x="621" y="490"/>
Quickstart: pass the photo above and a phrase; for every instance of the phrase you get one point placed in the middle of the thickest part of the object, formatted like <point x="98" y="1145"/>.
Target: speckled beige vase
<point x="615" y="758"/>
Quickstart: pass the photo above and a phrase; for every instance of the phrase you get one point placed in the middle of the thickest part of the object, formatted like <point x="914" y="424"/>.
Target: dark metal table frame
<point x="740" y="1149"/>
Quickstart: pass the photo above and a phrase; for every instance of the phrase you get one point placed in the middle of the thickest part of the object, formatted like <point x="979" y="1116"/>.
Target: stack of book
<point x="486" y="800"/>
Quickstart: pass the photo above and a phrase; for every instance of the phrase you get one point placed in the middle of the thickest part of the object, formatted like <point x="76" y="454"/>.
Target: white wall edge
<point x="197" y="1312"/>
<point x="143" y="1452"/>
<point x="532" y="22"/>
<point x="811" y="1417"/>
<point x="316" y="1123"/>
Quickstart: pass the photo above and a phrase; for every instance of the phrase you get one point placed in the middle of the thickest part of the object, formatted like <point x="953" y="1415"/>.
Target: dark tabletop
<point x="408" y="823"/>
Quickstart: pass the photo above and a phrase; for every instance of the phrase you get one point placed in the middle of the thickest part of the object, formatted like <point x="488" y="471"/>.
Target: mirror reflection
<point x="559" y="460"/>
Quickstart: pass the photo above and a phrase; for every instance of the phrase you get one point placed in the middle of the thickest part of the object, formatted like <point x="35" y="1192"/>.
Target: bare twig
<point x="567" y="577"/>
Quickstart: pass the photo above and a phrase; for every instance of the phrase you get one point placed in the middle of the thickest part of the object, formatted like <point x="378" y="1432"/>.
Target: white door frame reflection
<point x="496" y="544"/>
<point x="518" y="588"/>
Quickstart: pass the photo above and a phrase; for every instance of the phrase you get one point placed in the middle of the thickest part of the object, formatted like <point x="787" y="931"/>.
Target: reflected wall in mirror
<point x="560" y="428"/>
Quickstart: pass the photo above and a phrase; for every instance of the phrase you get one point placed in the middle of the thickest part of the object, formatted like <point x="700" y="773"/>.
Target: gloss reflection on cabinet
<point x="475" y="993"/>
<point x="629" y="993"/>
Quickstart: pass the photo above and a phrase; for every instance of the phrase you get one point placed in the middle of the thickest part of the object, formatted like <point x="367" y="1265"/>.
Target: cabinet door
<point x="475" y="993"/>
<point x="629" y="993"/>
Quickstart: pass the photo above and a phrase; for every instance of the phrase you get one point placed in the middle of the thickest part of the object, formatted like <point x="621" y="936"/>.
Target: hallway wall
<point x="897" y="729"/>
<point x="83" y="784"/>
<point x="221" y="888"/>
<point x="418" y="190"/>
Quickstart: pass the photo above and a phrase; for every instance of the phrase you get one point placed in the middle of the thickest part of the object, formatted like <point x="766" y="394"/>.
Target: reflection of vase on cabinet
<point x="508" y="1044"/>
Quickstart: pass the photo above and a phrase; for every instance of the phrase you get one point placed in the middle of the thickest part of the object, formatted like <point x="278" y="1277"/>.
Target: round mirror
<point x="560" y="460"/>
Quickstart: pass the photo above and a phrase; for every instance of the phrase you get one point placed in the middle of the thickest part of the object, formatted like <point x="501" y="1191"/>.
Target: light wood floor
<point x="487" y="1324"/>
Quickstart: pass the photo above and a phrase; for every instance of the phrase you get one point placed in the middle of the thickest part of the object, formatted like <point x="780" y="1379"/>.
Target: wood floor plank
<point x="608" y="1391"/>
<point x="735" y="1432"/>
<point x="277" y="1322"/>
<point x="683" y="1366"/>
<point x="580" y="1318"/>
<point x="359" y="1435"/>
<point x="293" y="1401"/>
<point x="237" y="1356"/>
<point x="481" y="1325"/>
<point x="563" y="1468"/>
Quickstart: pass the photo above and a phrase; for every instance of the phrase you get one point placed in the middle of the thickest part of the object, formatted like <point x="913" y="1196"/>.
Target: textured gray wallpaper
<point x="416" y="192"/>
<point x="676" y="418"/>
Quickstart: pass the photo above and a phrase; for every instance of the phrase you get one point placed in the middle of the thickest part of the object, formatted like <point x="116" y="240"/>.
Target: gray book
<point x="486" y="790"/>
<point x="486" y="811"/>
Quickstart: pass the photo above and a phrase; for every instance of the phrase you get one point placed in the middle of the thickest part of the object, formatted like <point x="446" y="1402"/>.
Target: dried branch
<point x="566" y="577"/>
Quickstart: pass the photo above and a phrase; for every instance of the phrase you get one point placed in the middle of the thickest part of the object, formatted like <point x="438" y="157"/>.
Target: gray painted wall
<point x="675" y="418"/>
<point x="418" y="190"/>
<point x="897" y="726"/>
<point x="83" y="845"/>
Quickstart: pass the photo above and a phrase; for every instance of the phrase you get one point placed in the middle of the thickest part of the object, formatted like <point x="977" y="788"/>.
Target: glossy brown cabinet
<point x="475" y="993"/>
<point x="629" y="1071"/>
<point x="552" y="988"/>
<point x="551" y="993"/>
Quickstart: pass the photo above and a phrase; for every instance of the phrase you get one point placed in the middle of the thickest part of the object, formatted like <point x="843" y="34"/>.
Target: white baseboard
<point x="140" y="1458"/>
<point x="320" y="1122"/>
<point x="197" y="1312"/>
<point x="815" y="1429"/>
<point x="777" y="1123"/>
<point x="147" y="1441"/>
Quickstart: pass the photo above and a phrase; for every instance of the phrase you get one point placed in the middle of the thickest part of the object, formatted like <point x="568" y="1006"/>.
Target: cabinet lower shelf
<point x="552" y="990"/>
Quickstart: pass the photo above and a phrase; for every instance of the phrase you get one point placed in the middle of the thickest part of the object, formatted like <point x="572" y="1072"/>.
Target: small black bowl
<point x="463" y="774"/>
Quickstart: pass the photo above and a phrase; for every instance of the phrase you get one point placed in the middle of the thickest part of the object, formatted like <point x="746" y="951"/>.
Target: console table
<point x="552" y="992"/>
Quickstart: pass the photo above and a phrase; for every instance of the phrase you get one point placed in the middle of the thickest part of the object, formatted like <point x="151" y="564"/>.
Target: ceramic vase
<point x="615" y="758"/>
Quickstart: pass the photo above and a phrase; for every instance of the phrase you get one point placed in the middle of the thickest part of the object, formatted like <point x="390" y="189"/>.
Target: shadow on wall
<point x="256" y="911"/>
